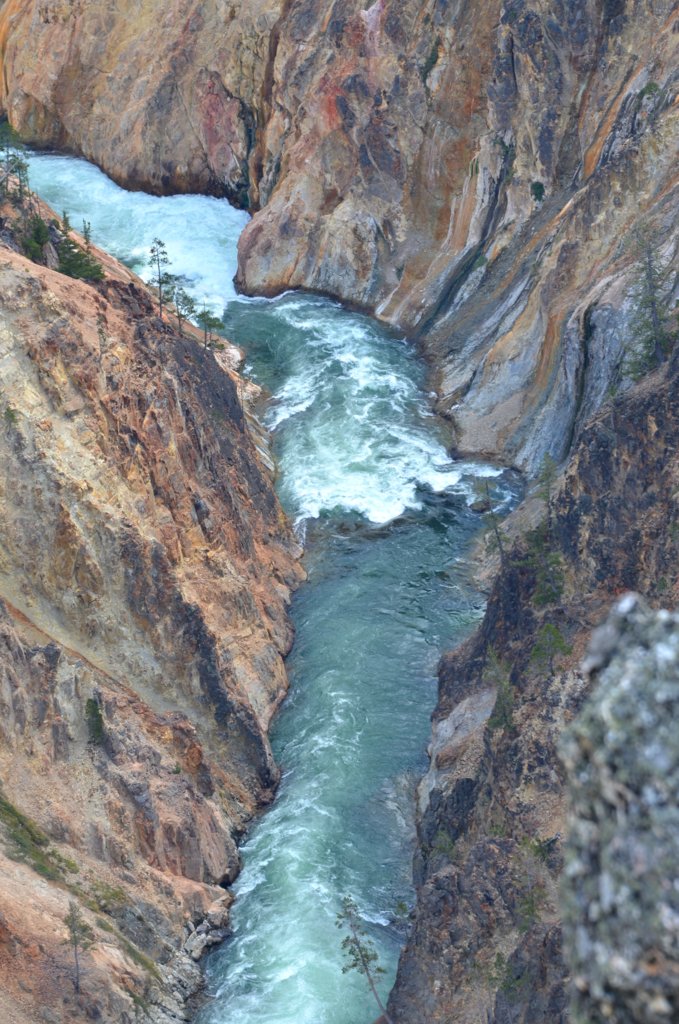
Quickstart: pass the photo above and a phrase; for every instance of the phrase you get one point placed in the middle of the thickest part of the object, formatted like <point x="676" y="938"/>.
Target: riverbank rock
<point x="620" y="891"/>
<point x="475" y="174"/>
<point x="145" y="574"/>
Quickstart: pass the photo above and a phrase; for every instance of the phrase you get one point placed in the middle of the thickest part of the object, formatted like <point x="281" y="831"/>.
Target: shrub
<point x="27" y="842"/>
<point x="431" y="61"/>
<point x="650" y="89"/>
<point x="537" y="190"/>
<point x="443" y="845"/>
<point x="95" y="722"/>
<point x="530" y="905"/>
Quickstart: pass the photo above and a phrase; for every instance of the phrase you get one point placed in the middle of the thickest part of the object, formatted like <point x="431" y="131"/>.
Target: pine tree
<point x="35" y="238"/>
<point x="548" y="643"/>
<point x="210" y="323"/>
<point x="546" y="482"/>
<point x="359" y="951"/>
<point x="497" y="673"/>
<point x="75" y="262"/>
<point x="652" y="322"/>
<point x="162" y="280"/>
<point x="12" y="163"/>
<point x="185" y="307"/>
<point x="546" y="563"/>
<point x="497" y="542"/>
<point x="80" y="938"/>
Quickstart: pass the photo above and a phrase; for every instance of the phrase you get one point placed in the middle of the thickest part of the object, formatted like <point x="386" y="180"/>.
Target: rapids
<point x="364" y="473"/>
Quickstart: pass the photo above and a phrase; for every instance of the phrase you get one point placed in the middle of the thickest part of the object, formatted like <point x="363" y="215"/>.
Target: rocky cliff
<point x="145" y="571"/>
<point x="476" y="174"/>
<point x="486" y="943"/>
<point x="470" y="171"/>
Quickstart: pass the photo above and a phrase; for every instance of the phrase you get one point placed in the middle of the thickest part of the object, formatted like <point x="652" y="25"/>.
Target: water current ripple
<point x="365" y="470"/>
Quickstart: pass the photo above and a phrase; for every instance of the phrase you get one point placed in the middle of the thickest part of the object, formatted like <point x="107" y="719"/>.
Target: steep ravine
<point x="145" y="574"/>
<point x="365" y="472"/>
<point x="471" y="172"/>
<point x="394" y="156"/>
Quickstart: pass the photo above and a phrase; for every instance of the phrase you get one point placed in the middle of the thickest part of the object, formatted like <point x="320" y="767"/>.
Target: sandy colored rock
<point x="145" y="573"/>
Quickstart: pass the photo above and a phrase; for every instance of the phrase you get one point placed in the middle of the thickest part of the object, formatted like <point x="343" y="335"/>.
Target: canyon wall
<point x="486" y="940"/>
<point x="474" y="173"/>
<point x="145" y="573"/>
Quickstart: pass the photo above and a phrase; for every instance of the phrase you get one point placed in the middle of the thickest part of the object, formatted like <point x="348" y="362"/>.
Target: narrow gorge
<point x="477" y="199"/>
<point x="365" y="474"/>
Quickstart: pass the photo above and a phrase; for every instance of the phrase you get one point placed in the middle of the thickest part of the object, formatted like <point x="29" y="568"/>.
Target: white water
<point x="363" y="465"/>
<point x="200" y="233"/>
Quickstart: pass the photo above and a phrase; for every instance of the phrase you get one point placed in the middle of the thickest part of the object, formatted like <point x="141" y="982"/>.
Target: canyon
<point x="476" y="175"/>
<point x="469" y="172"/>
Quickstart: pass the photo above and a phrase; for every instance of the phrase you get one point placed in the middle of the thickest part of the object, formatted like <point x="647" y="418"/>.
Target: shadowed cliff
<point x="486" y="937"/>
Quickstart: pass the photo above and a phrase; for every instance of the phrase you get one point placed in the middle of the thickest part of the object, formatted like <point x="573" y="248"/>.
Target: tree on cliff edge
<point x="80" y="937"/>
<point x="360" y="953"/>
<point x="161" y="279"/>
<point x="654" y="323"/>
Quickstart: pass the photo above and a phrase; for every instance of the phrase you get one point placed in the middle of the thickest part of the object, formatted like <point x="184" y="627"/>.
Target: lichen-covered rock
<point x="621" y="879"/>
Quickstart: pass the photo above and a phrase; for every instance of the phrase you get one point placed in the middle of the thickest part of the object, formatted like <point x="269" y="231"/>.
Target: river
<point x="364" y="473"/>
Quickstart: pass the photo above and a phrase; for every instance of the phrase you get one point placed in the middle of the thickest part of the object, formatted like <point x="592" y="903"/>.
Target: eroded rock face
<point x="621" y="897"/>
<point x="486" y="941"/>
<point x="161" y="95"/>
<point x="145" y="573"/>
<point x="469" y="171"/>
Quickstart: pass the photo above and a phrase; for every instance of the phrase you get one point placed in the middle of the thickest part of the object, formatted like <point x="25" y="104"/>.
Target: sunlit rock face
<point x="470" y="171"/>
<point x="145" y="573"/>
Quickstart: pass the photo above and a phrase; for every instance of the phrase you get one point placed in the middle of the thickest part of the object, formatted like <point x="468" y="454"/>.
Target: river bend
<point x="385" y="516"/>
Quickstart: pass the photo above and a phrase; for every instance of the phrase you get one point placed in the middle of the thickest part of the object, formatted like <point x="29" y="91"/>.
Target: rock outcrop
<point x="472" y="172"/>
<point x="486" y="940"/>
<point x="145" y="572"/>
<point x="620" y="894"/>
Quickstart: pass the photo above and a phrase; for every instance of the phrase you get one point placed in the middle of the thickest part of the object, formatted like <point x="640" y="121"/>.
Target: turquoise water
<point x="384" y="514"/>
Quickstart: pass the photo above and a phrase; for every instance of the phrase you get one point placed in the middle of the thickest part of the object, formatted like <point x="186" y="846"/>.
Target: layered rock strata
<point x="486" y="940"/>
<point x="472" y="172"/>
<point x="145" y="572"/>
